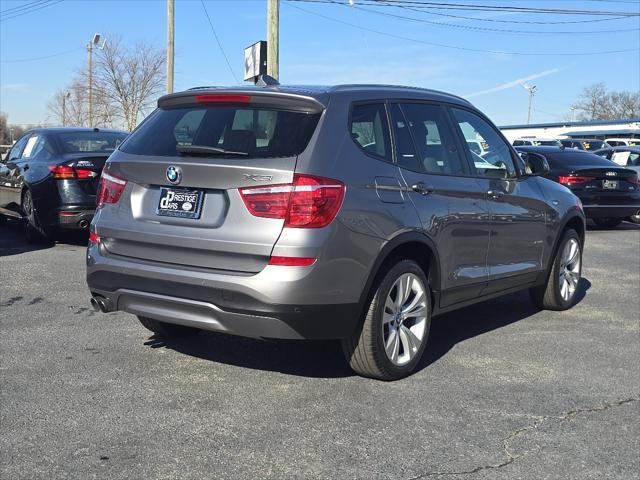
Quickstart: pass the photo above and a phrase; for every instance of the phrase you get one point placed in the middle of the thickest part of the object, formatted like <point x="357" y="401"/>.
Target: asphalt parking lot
<point x="504" y="392"/>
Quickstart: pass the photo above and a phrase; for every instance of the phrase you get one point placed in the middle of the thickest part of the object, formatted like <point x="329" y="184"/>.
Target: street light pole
<point x="273" y="48"/>
<point x="94" y="41"/>
<point x="170" y="42"/>
<point x="532" y="91"/>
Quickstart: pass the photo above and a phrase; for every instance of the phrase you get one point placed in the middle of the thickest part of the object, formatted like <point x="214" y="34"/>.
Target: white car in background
<point x="623" y="142"/>
<point x="536" y="142"/>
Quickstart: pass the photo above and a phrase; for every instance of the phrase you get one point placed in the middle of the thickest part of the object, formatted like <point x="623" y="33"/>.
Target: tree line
<point x="125" y="82"/>
<point x="597" y="103"/>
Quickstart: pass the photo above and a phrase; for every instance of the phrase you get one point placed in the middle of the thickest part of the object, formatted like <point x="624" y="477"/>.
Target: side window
<point x="433" y="138"/>
<point x="37" y="148"/>
<point x="405" y="150"/>
<point x="516" y="143"/>
<point x="370" y="130"/>
<point x="496" y="161"/>
<point x="16" y="150"/>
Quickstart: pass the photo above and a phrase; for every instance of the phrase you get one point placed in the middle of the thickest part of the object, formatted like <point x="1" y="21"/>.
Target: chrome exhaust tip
<point x="83" y="223"/>
<point x="101" y="304"/>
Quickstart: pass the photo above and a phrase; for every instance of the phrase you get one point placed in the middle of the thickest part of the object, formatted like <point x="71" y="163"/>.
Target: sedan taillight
<point x="308" y="202"/>
<point x="574" y="179"/>
<point x="65" y="172"/>
<point x="110" y="189"/>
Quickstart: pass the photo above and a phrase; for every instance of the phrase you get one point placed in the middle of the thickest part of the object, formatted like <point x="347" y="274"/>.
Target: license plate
<point x="610" y="184"/>
<point x="180" y="203"/>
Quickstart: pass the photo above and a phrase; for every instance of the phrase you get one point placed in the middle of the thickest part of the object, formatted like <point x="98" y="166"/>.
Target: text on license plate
<point x="180" y="203"/>
<point x="610" y="184"/>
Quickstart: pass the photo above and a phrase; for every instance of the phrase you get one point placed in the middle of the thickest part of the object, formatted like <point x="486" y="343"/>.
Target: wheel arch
<point x="408" y="245"/>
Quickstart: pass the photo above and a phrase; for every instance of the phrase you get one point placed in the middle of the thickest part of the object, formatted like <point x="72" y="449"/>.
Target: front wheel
<point x="167" y="330"/>
<point x="561" y="289"/>
<point x="607" y="222"/>
<point x="392" y="338"/>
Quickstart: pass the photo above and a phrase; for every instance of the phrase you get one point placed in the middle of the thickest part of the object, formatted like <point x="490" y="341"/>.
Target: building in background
<point x="628" y="128"/>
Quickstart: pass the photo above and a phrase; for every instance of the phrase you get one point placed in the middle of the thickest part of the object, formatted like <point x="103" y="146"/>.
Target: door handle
<point x="422" y="189"/>
<point x="495" y="194"/>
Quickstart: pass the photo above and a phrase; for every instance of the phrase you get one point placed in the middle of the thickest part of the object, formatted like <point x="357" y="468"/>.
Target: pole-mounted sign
<point x="255" y="61"/>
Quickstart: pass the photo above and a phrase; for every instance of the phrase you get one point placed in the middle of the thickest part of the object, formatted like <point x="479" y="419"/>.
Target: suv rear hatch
<point x="182" y="171"/>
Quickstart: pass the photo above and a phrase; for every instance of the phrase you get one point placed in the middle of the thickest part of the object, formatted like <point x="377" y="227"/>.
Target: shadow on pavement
<point x="325" y="360"/>
<point x="624" y="226"/>
<point x="13" y="242"/>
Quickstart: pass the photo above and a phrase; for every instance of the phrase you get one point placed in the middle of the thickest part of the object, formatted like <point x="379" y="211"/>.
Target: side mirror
<point x="535" y="164"/>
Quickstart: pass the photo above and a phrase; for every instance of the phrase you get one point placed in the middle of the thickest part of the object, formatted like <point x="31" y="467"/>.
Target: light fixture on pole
<point x="532" y="89"/>
<point x="95" y="42"/>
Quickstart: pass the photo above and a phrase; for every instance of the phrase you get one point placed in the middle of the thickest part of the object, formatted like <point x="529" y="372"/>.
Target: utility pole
<point x="273" y="48"/>
<point x="532" y="89"/>
<point x="90" y="75"/>
<point x="170" y="39"/>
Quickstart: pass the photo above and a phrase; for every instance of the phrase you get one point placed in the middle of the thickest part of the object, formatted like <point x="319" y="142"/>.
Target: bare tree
<point x="596" y="103"/>
<point x="130" y="78"/>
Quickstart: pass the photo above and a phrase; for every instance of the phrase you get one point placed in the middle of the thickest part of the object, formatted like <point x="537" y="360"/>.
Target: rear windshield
<point x="574" y="159"/>
<point x="256" y="132"/>
<point x="95" y="142"/>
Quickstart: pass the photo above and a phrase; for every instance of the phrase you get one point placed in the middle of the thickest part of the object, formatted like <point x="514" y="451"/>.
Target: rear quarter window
<point x="256" y="132"/>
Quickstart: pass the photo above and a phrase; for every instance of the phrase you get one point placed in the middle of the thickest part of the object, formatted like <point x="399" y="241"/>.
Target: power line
<point x="24" y="6"/>
<point x="59" y="54"/>
<point x="455" y="47"/>
<point x="485" y="29"/>
<point x="218" y="41"/>
<point x="426" y="10"/>
<point x="16" y="14"/>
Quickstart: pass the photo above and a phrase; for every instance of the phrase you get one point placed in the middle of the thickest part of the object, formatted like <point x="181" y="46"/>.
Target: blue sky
<point x="361" y="47"/>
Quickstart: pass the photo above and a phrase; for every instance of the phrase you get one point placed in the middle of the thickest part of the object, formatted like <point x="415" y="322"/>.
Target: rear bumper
<point x="611" y="211"/>
<point x="233" y="304"/>
<point x="72" y="217"/>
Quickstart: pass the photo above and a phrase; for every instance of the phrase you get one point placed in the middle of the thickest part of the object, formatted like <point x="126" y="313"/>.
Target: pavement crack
<point x="511" y="456"/>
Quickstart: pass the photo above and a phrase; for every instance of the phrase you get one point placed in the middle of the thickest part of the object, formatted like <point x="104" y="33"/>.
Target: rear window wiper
<point x="205" y="150"/>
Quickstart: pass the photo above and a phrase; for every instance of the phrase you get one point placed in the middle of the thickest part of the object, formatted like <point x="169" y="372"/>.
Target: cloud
<point x="513" y="83"/>
<point x="15" y="87"/>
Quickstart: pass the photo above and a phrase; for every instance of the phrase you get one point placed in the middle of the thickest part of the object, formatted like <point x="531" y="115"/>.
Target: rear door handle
<point x="422" y="189"/>
<point x="495" y="194"/>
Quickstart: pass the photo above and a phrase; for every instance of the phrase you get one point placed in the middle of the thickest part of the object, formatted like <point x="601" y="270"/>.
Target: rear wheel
<point x="394" y="333"/>
<point x="163" y="329"/>
<point x="34" y="230"/>
<point x="607" y="222"/>
<point x="561" y="288"/>
<point x="635" y="218"/>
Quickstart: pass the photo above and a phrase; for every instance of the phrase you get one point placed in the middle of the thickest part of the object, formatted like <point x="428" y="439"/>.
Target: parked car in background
<point x="351" y="212"/>
<point x="623" y="142"/>
<point x="589" y="144"/>
<point x="536" y="142"/>
<point x="628" y="157"/>
<point x="50" y="178"/>
<point x="609" y="192"/>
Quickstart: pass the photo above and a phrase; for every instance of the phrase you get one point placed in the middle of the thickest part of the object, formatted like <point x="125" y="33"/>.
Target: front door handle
<point x="495" y="194"/>
<point x="422" y="189"/>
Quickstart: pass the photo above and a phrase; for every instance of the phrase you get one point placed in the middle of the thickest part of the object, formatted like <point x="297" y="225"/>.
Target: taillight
<point x="94" y="238"/>
<point x="65" y="172"/>
<point x="308" y="202"/>
<point x="110" y="189"/>
<point x="574" y="179"/>
<point x="223" y="98"/>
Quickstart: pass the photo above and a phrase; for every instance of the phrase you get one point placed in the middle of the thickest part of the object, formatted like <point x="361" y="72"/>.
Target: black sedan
<point x="50" y="178"/>
<point x="609" y="192"/>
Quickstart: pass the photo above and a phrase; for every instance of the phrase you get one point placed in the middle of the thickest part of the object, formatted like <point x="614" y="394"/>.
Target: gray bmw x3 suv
<point x="353" y="212"/>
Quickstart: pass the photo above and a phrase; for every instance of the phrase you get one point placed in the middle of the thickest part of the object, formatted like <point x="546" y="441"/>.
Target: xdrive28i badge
<point x="174" y="174"/>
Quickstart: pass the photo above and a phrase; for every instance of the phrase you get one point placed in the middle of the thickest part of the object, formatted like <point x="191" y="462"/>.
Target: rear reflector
<point x="223" y="98"/>
<point x="64" y="172"/>
<point x="94" y="238"/>
<point x="574" y="179"/>
<point x="292" y="261"/>
<point x="110" y="189"/>
<point x="308" y="202"/>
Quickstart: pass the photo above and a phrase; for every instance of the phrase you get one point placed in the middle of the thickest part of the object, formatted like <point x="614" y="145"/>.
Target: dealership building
<point x="629" y="128"/>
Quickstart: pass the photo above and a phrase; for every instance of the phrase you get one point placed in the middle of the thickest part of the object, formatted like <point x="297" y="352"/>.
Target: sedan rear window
<point x="576" y="159"/>
<point x="95" y="142"/>
<point x="219" y="130"/>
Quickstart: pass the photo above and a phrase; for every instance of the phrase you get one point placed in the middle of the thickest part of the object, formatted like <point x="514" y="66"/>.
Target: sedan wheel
<point x="33" y="230"/>
<point x="569" y="271"/>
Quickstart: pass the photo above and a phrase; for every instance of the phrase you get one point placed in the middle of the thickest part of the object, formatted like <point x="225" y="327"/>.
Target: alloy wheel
<point x="569" y="271"/>
<point x="404" y="319"/>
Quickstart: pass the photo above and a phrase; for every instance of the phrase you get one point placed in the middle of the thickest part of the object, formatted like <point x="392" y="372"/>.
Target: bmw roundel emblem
<point x="174" y="174"/>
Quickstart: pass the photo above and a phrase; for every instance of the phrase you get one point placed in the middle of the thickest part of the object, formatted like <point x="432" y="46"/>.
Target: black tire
<point x="607" y="222"/>
<point x="34" y="230"/>
<point x="365" y="350"/>
<point x="163" y="329"/>
<point x="3" y="219"/>
<point x="549" y="296"/>
<point x="634" y="218"/>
